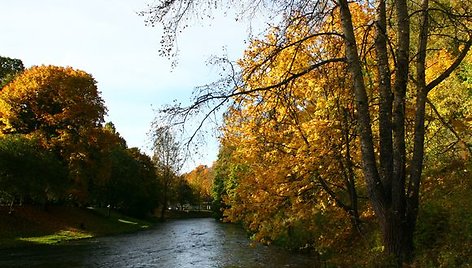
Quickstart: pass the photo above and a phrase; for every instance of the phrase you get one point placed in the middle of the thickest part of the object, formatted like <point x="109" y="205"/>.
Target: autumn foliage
<point x="336" y="117"/>
<point x="290" y="165"/>
<point x="55" y="148"/>
<point x="200" y="181"/>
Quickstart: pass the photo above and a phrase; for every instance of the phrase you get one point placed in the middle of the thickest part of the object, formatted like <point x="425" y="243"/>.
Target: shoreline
<point x="31" y="225"/>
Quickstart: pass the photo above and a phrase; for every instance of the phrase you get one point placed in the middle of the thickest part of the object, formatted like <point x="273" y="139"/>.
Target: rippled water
<point x="178" y="243"/>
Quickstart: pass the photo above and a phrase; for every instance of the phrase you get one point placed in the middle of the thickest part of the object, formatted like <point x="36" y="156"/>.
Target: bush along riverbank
<point x="29" y="225"/>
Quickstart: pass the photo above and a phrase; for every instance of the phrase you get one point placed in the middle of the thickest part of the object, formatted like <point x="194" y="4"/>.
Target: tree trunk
<point x="416" y="165"/>
<point x="385" y="98"/>
<point x="163" y="212"/>
<point x="10" y="212"/>
<point x="374" y="185"/>
<point x="164" y="205"/>
<point x="387" y="201"/>
<point x="392" y="236"/>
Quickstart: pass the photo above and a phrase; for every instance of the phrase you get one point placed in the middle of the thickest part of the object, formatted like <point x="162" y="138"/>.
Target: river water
<point x="177" y="243"/>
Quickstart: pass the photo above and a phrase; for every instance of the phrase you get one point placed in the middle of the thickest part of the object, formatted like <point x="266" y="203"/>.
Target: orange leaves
<point x="49" y="99"/>
<point x="201" y="181"/>
<point x="61" y="107"/>
<point x="291" y="136"/>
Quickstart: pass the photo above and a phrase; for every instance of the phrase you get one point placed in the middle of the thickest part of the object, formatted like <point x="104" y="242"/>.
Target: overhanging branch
<point x="451" y="68"/>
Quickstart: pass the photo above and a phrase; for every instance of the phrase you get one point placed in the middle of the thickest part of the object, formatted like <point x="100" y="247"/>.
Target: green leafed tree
<point x="29" y="172"/>
<point x="132" y="186"/>
<point x="9" y="68"/>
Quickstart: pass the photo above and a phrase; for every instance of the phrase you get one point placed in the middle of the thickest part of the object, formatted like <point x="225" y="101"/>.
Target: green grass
<point x="32" y="225"/>
<point x="56" y="237"/>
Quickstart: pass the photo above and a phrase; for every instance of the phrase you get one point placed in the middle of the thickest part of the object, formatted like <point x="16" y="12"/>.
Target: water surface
<point x="177" y="243"/>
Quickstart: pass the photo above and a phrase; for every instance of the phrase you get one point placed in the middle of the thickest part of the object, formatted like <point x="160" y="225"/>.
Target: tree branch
<point x="451" y="68"/>
<point x="446" y="124"/>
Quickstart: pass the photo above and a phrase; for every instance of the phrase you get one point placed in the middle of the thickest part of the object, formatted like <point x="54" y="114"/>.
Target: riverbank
<point x="29" y="225"/>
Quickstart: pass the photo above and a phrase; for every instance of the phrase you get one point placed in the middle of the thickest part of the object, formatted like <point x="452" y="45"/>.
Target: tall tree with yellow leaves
<point x="298" y="142"/>
<point x="406" y="34"/>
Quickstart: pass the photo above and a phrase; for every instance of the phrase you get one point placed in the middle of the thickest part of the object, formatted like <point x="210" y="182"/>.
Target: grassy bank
<point x="32" y="225"/>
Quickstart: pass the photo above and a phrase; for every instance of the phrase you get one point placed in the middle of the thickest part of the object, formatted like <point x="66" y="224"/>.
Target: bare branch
<point x="447" y="125"/>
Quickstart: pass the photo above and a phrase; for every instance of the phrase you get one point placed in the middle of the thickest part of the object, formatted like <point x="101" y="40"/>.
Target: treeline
<point x="56" y="149"/>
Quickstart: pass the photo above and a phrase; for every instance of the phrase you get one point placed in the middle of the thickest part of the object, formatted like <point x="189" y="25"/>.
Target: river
<point x="177" y="243"/>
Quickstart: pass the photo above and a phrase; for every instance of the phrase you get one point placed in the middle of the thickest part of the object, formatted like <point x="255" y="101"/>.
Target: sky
<point x="111" y="42"/>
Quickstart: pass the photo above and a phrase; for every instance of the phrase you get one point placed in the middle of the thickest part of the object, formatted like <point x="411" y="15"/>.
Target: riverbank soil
<point x="34" y="225"/>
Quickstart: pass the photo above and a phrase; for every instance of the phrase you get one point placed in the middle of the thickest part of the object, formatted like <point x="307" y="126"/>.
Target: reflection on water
<point x="180" y="243"/>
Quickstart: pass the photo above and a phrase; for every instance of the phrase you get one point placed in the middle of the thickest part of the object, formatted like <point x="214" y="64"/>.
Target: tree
<point x="9" y="68"/>
<point x="406" y="34"/>
<point x="110" y="127"/>
<point x="225" y="180"/>
<point x="59" y="106"/>
<point x="200" y="180"/>
<point x="183" y="192"/>
<point x="147" y="198"/>
<point x="132" y="185"/>
<point x="168" y="161"/>
<point x="56" y="102"/>
<point x="306" y="128"/>
<point x="29" y="172"/>
<point x="98" y="166"/>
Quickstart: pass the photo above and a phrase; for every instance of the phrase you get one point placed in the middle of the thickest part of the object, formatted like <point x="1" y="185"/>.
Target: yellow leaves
<point x="282" y="147"/>
<point x="201" y="180"/>
<point x="48" y="96"/>
<point x="289" y="136"/>
<point x="437" y="63"/>
<point x="60" y="106"/>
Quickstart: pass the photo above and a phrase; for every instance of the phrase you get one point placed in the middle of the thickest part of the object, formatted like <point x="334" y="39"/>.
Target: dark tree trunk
<point x="164" y="204"/>
<point x="385" y="98"/>
<point x="393" y="235"/>
<point x="385" y="188"/>
<point x="394" y="228"/>
<point x="416" y="165"/>
<point x="348" y="167"/>
<point x="163" y="212"/>
<point x="10" y="212"/>
<point x="369" y="167"/>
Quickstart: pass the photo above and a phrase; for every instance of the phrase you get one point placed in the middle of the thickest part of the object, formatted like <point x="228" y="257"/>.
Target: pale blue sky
<point x="108" y="40"/>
